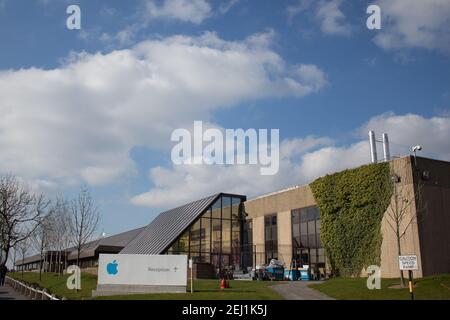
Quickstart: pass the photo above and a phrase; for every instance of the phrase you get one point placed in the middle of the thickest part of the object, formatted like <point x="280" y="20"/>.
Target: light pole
<point x="415" y="149"/>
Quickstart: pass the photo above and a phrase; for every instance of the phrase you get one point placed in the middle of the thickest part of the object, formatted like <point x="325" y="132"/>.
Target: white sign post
<point x="409" y="263"/>
<point x="191" y="265"/>
<point x="139" y="273"/>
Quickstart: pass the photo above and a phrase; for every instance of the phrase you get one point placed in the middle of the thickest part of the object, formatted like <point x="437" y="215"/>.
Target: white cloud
<point x="301" y="161"/>
<point x="332" y="19"/>
<point x="80" y="121"/>
<point x="415" y="24"/>
<point x="227" y="6"/>
<point x="194" y="11"/>
<point x="410" y="130"/>
<point x="327" y="13"/>
<point x="181" y="184"/>
<point x="297" y="8"/>
<point x="312" y="76"/>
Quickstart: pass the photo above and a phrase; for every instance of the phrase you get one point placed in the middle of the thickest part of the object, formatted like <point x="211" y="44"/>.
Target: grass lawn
<point x="56" y="284"/>
<point x="429" y="288"/>
<point x="203" y="289"/>
<point x="209" y="290"/>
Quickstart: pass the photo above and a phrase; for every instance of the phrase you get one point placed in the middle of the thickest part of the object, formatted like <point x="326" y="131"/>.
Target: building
<point x="53" y="261"/>
<point x="286" y="225"/>
<point x="227" y="232"/>
<point x="208" y="230"/>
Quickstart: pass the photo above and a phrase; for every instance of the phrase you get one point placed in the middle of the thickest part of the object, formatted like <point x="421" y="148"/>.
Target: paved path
<point x="8" y="293"/>
<point x="298" y="290"/>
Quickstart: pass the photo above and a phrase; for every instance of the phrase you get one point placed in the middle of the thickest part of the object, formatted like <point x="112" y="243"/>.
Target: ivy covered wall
<point x="352" y="204"/>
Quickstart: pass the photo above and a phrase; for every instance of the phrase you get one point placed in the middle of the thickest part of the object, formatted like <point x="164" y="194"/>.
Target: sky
<point x="96" y="107"/>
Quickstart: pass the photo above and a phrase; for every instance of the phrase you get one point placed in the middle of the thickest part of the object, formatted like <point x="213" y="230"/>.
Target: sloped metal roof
<point x="167" y="227"/>
<point x="118" y="240"/>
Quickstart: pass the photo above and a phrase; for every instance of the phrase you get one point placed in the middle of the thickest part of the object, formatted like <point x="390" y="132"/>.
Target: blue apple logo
<point x="111" y="268"/>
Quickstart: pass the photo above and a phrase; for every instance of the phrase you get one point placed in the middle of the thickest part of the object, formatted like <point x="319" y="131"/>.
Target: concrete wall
<point x="279" y="203"/>
<point x="258" y="238"/>
<point x="284" y="224"/>
<point x="426" y="234"/>
<point x="406" y="207"/>
<point x="428" y="212"/>
<point x="434" y="215"/>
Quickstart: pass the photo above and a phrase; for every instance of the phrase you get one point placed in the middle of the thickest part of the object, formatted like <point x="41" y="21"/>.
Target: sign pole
<point x="409" y="263"/>
<point x="411" y="284"/>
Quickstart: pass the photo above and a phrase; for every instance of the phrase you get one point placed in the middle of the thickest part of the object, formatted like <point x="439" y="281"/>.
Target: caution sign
<point x="408" y="262"/>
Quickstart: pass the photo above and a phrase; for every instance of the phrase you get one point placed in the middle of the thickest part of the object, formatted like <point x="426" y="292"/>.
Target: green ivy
<point x="352" y="204"/>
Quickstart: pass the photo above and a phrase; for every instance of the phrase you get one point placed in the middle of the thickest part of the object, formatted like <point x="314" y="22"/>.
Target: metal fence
<point x="30" y="291"/>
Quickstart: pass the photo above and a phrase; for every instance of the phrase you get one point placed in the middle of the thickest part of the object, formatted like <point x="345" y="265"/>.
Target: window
<point x="206" y="236"/>
<point x="306" y="236"/>
<point x="195" y="238"/>
<point x="236" y="204"/>
<point x="226" y="208"/>
<point x="217" y="209"/>
<point x="183" y="244"/>
<point x="271" y="237"/>
<point x="226" y="236"/>
<point x="215" y="237"/>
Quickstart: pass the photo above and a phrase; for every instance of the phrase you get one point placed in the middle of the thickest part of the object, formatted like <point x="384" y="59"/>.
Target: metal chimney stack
<point x="387" y="153"/>
<point x="373" y="147"/>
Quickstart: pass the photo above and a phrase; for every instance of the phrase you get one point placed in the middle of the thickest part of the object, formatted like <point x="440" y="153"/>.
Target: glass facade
<point x="306" y="243"/>
<point x="270" y="238"/>
<point x="247" y="248"/>
<point x="216" y="236"/>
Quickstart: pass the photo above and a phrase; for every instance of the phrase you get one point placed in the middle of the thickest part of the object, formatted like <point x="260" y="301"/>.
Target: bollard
<point x="53" y="297"/>
<point x="43" y="294"/>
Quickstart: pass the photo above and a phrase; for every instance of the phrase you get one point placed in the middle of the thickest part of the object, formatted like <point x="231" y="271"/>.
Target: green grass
<point x="203" y="289"/>
<point x="56" y="284"/>
<point x="209" y="290"/>
<point x="428" y="288"/>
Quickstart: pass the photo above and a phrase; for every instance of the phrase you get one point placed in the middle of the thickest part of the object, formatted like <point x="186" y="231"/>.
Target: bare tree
<point x="405" y="209"/>
<point x="42" y="238"/>
<point x="84" y="221"/>
<point x="23" y="248"/>
<point x="20" y="212"/>
<point x="61" y="235"/>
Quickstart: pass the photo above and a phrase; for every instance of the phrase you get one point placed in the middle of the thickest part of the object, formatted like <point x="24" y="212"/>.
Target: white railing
<point x="29" y="291"/>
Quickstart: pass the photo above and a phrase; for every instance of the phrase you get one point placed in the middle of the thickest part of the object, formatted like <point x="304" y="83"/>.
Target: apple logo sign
<point x="111" y="268"/>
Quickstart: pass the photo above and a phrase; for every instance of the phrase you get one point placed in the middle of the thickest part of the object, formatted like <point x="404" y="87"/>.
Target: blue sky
<point x="78" y="110"/>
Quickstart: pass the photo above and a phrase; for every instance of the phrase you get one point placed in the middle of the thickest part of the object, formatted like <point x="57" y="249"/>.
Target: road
<point x="298" y="290"/>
